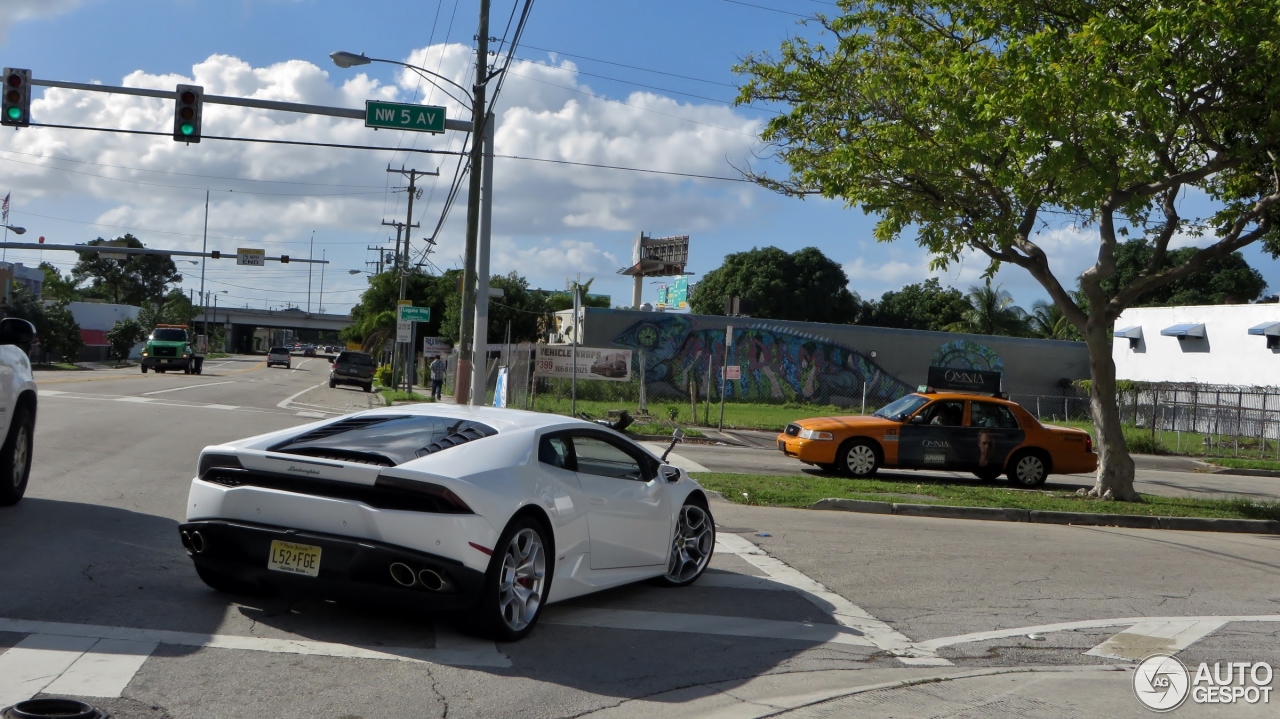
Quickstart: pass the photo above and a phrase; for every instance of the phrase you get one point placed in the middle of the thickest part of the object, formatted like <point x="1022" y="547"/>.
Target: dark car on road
<point x="352" y="368"/>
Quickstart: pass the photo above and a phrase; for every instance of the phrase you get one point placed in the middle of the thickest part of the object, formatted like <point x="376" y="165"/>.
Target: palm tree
<point x="1047" y="321"/>
<point x="991" y="312"/>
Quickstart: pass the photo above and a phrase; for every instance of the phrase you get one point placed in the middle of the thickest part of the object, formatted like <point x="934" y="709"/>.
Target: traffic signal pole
<point x="480" y="379"/>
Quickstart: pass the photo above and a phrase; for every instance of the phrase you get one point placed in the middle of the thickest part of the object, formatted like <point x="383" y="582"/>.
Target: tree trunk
<point x="1115" y="466"/>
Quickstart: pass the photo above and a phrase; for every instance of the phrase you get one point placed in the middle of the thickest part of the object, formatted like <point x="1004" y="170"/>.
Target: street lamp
<point x="345" y="59"/>
<point x="16" y="230"/>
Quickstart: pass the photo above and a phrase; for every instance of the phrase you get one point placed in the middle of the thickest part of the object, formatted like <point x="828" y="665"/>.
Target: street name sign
<point x="414" y="314"/>
<point x="402" y="116"/>
<point x="254" y="258"/>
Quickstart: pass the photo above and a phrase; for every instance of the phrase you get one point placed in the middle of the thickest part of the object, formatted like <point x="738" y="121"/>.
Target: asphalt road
<point x="799" y="607"/>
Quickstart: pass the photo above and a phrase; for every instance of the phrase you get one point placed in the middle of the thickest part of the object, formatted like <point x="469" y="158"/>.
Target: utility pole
<point x="380" y="251"/>
<point x="462" y="385"/>
<point x="402" y="262"/>
<point x="204" y="245"/>
<point x="311" y="255"/>
<point x="324" y="254"/>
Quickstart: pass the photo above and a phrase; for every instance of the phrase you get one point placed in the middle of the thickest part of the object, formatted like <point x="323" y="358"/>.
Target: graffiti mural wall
<point x="819" y="363"/>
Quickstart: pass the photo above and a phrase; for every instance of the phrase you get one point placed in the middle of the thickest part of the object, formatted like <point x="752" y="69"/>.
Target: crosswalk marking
<point x="103" y="671"/>
<point x="33" y="663"/>
<point x="845" y="612"/>
<point x="1162" y="636"/>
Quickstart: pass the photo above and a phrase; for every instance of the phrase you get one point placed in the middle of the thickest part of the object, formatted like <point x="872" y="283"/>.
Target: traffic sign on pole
<point x="403" y="116"/>
<point x="414" y="314"/>
<point x="254" y="258"/>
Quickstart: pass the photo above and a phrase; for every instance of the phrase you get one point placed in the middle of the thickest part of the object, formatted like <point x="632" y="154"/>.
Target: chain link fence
<point x="1215" y="420"/>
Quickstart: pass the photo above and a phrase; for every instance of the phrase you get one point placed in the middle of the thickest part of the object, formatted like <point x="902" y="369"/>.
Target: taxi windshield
<point x="902" y="407"/>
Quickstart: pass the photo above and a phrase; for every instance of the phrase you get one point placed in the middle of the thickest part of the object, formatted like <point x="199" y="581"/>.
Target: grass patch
<point x="771" y="417"/>
<point x="1211" y="448"/>
<point x="217" y="355"/>
<point x="57" y="366"/>
<point x="1234" y="463"/>
<point x="804" y="490"/>
<point x="662" y="428"/>
<point x="398" y="395"/>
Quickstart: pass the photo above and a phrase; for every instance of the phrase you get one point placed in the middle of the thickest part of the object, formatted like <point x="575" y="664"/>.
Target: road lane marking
<point x="1162" y="636"/>
<point x="190" y="386"/>
<point x="103" y="671"/>
<point x="42" y="382"/>
<point x="284" y="403"/>
<point x="936" y="644"/>
<point x="89" y="632"/>
<point x="133" y="399"/>
<point x="33" y="663"/>
<point x="845" y="612"/>
<point x="705" y="624"/>
<point x="312" y="415"/>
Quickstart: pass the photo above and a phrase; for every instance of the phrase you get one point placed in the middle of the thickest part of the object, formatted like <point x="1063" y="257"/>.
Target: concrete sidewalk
<point x="1024" y="692"/>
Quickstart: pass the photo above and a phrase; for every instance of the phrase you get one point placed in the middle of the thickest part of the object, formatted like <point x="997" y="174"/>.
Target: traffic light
<point x="16" y="109"/>
<point x="186" y="113"/>
<point x="215" y="254"/>
<point x="284" y="259"/>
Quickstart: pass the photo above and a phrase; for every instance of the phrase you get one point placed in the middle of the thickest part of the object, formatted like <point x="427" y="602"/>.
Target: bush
<point x="123" y="336"/>
<point x="1141" y="442"/>
<point x="383" y="375"/>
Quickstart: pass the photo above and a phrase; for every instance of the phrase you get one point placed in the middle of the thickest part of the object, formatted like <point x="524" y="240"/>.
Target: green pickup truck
<point x="169" y="347"/>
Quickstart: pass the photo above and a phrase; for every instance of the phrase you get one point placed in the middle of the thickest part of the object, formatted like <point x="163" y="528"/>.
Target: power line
<point x="180" y="174"/>
<point x="246" y="139"/>
<point x="632" y="67"/>
<point x="767" y="8"/>
<point x="627" y="169"/>
<point x="182" y="187"/>
<point x="627" y="104"/>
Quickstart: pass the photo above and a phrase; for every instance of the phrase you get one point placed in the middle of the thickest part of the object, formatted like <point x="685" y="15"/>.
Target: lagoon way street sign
<point x="402" y="116"/>
<point x="414" y="314"/>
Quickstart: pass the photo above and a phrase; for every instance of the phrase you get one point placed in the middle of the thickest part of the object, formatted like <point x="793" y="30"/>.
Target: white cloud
<point x="552" y="216"/>
<point x="15" y="11"/>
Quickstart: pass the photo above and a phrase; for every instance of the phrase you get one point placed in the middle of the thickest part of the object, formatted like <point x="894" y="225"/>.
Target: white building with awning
<point x="1208" y="344"/>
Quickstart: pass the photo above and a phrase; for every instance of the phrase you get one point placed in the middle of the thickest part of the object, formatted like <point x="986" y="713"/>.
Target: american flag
<point x="5" y="207"/>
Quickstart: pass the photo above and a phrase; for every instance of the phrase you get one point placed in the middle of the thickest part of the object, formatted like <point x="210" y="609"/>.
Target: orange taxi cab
<point x="953" y="431"/>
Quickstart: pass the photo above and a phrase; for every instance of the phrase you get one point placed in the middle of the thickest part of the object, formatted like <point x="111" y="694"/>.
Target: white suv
<point x="17" y="408"/>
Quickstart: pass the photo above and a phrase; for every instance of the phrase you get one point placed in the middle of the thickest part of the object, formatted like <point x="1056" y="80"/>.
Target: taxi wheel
<point x="858" y="458"/>
<point x="1028" y="469"/>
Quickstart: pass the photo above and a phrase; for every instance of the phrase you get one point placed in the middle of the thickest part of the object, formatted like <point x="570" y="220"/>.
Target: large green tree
<point x="374" y="317"/>
<point x="56" y="286"/>
<point x="961" y="123"/>
<point x="804" y="285"/>
<point x="138" y="280"/>
<point x="923" y="306"/>
<point x="1222" y="280"/>
<point x="990" y="311"/>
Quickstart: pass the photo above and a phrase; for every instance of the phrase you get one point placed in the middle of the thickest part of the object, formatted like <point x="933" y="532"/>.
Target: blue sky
<point x="563" y="101"/>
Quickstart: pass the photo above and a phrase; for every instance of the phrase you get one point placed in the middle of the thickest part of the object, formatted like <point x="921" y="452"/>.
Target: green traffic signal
<point x="15" y="113"/>
<point x="187" y="128"/>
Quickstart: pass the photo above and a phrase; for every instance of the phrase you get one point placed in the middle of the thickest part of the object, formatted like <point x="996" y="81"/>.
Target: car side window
<point x="991" y="415"/>
<point x="603" y="459"/>
<point x="947" y="413"/>
<point x="554" y="450"/>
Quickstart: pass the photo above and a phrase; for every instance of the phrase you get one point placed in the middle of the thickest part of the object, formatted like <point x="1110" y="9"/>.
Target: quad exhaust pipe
<point x="193" y="541"/>
<point x="404" y="575"/>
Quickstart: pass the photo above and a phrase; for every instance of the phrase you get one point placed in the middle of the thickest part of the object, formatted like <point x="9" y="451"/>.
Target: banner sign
<point x="593" y="363"/>
<point x="500" y="389"/>
<point x="964" y="380"/>
<point x="436" y="346"/>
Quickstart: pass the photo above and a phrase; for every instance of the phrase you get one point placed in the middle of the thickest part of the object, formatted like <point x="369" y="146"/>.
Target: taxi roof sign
<point x="956" y="379"/>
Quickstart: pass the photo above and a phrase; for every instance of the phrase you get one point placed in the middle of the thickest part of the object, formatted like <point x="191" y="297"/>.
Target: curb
<point x="1000" y="514"/>
<point x="1244" y="472"/>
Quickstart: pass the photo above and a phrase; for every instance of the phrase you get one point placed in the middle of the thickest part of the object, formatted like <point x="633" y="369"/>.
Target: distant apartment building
<point x="16" y="274"/>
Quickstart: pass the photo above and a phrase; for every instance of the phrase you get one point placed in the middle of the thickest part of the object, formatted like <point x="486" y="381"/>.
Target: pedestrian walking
<point x="437" y="377"/>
